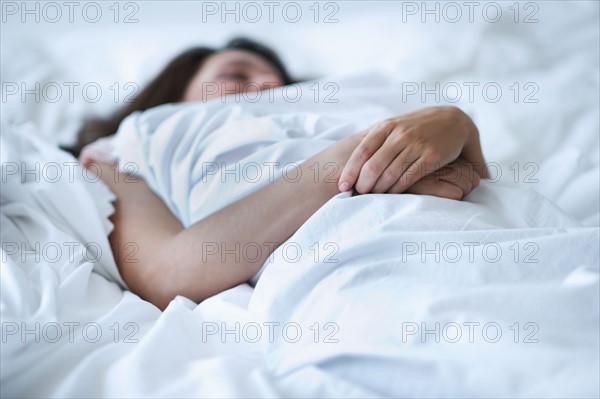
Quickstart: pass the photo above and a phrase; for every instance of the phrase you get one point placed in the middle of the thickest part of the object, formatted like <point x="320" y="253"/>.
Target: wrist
<point x="325" y="168"/>
<point x="342" y="151"/>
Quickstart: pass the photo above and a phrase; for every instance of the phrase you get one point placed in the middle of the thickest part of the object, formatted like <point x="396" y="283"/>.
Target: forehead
<point x="239" y="57"/>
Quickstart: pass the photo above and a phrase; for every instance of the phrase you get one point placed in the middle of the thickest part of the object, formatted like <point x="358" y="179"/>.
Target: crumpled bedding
<point x="434" y="289"/>
<point x="374" y="299"/>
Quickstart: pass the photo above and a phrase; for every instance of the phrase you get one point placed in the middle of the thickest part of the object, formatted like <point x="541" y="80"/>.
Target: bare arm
<point x="159" y="259"/>
<point x="170" y="260"/>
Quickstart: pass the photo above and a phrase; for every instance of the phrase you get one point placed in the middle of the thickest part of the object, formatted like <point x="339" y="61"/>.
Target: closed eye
<point x="232" y="76"/>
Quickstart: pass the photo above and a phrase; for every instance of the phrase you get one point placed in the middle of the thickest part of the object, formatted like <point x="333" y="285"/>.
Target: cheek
<point x="200" y="90"/>
<point x="191" y="92"/>
<point x="190" y="95"/>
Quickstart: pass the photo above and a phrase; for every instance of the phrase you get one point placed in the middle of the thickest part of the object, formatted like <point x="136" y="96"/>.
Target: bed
<point x="494" y="296"/>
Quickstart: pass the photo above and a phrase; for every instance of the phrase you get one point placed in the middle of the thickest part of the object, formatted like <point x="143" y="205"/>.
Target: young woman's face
<point x="229" y="72"/>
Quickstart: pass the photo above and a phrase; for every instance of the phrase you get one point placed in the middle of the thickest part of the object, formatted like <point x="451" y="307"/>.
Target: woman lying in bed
<point x="395" y="156"/>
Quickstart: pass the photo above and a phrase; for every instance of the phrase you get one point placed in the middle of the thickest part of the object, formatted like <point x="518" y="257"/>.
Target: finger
<point x="476" y="180"/>
<point x="379" y="166"/>
<point x="420" y="168"/>
<point x="99" y="150"/>
<point x="437" y="188"/>
<point x="464" y="176"/>
<point x="395" y="170"/>
<point x="85" y="158"/>
<point x="361" y="154"/>
<point x="457" y="174"/>
<point x="471" y="173"/>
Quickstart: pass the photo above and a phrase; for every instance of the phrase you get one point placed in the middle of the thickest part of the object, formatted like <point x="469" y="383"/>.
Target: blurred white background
<point x="554" y="44"/>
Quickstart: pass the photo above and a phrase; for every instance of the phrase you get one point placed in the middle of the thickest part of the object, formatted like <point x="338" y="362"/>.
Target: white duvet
<point x="492" y="276"/>
<point x="375" y="295"/>
<point x="354" y="304"/>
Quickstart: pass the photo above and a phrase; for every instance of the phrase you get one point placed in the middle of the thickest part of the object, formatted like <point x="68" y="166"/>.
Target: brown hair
<point x="169" y="86"/>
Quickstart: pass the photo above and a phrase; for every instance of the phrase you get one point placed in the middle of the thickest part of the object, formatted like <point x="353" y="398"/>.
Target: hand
<point x="454" y="181"/>
<point x="98" y="151"/>
<point x="396" y="153"/>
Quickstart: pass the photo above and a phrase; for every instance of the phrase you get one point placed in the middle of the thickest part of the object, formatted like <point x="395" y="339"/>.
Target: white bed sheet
<point x="559" y="134"/>
<point x="364" y="298"/>
<point x="366" y="268"/>
<point x="88" y="337"/>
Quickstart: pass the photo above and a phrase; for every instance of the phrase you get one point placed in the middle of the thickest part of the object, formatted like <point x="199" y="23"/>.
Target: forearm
<point x="199" y="262"/>
<point x="261" y="222"/>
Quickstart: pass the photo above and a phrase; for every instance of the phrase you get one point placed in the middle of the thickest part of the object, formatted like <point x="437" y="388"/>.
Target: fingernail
<point x="344" y="186"/>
